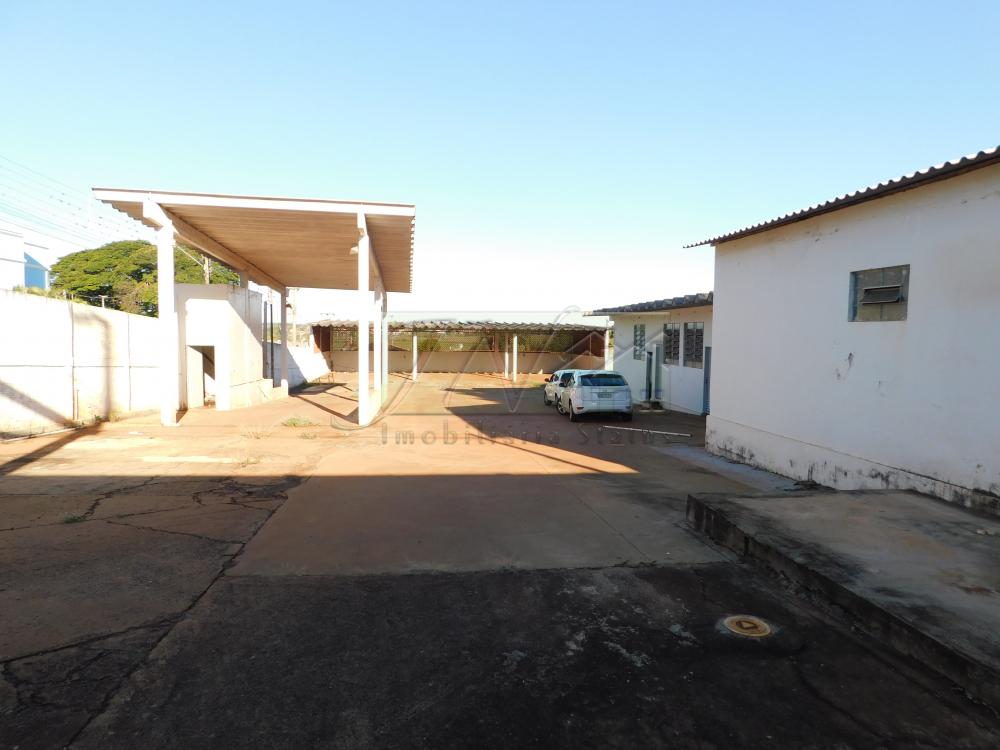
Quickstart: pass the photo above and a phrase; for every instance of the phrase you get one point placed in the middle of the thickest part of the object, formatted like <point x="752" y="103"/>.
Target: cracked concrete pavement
<point x="501" y="579"/>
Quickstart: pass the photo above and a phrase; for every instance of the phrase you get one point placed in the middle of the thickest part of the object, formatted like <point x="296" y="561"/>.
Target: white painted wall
<point x="681" y="387"/>
<point x="305" y="365"/>
<point x="798" y="389"/>
<point x="63" y="362"/>
<point x="230" y="320"/>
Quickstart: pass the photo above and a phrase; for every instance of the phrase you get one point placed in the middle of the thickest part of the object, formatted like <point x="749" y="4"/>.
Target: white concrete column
<point x="506" y="357"/>
<point x="377" y="346"/>
<point x="364" y="311"/>
<point x="244" y="280"/>
<point x="416" y="356"/>
<point x="385" y="346"/>
<point x="284" y="339"/>
<point x="170" y="370"/>
<point x="609" y="363"/>
<point x="513" y="369"/>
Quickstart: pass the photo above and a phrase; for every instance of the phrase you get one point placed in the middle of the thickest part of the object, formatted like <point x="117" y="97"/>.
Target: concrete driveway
<point x="471" y="569"/>
<point x="466" y="474"/>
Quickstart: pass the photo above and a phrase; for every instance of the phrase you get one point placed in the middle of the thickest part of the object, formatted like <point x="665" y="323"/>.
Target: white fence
<point x="63" y="363"/>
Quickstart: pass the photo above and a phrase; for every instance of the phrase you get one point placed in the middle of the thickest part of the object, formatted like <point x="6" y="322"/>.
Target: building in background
<point x="856" y="338"/>
<point x="42" y="220"/>
<point x="664" y="350"/>
<point x="18" y="265"/>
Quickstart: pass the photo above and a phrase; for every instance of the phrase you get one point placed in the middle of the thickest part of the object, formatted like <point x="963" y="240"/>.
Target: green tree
<point x="125" y="274"/>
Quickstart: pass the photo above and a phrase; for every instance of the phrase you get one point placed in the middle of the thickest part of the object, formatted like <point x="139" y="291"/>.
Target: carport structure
<point x="474" y="346"/>
<point x="282" y="243"/>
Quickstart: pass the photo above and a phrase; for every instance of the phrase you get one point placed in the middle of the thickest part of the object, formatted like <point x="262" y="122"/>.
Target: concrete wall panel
<point x="63" y="362"/>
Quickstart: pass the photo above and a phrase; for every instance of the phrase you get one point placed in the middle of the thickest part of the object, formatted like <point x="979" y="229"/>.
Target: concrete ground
<point x="471" y="569"/>
<point x="921" y="574"/>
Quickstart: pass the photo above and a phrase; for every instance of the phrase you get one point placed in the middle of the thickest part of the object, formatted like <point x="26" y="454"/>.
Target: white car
<point x="590" y="391"/>
<point x="554" y="386"/>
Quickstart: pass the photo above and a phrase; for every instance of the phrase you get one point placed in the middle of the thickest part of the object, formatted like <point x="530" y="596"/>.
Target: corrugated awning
<point x="661" y="305"/>
<point x="476" y="325"/>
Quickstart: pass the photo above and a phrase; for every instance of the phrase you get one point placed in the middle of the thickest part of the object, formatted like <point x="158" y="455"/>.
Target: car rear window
<point x="602" y="378"/>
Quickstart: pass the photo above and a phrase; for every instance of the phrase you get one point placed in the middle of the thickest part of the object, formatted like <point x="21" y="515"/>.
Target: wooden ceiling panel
<point x="299" y="243"/>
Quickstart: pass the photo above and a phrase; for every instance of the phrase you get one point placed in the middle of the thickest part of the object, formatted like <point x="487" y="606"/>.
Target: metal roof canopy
<point x="938" y="172"/>
<point x="661" y="305"/>
<point x="474" y="325"/>
<point x="284" y="242"/>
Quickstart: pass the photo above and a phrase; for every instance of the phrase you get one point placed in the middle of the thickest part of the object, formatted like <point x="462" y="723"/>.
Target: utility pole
<point x="103" y="297"/>
<point x="207" y="268"/>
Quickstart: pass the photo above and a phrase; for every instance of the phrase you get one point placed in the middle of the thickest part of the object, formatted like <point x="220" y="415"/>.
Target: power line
<point x="37" y="203"/>
<point x="54" y="203"/>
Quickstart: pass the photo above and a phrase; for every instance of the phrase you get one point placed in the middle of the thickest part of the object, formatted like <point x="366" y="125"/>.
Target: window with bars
<point x="638" y="340"/>
<point x="694" y="345"/>
<point x="880" y="294"/>
<point x="671" y="343"/>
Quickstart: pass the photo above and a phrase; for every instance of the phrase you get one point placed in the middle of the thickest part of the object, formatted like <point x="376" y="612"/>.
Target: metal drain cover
<point x="748" y="625"/>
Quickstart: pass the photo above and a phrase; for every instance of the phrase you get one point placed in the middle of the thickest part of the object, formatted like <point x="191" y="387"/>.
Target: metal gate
<point x="657" y="356"/>
<point x="706" y="405"/>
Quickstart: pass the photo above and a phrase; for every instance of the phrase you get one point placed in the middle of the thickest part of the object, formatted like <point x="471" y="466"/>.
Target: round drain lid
<point x="748" y="625"/>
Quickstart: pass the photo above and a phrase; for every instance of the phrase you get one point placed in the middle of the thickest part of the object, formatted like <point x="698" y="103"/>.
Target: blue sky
<point x="559" y="153"/>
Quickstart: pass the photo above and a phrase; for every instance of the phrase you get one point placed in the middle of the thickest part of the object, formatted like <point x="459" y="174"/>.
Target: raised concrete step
<point x="920" y="576"/>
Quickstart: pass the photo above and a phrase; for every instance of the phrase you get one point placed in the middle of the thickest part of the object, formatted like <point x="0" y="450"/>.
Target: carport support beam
<point x="284" y="339"/>
<point x="364" y="310"/>
<point x="609" y="363"/>
<point x="170" y="366"/>
<point x="506" y="357"/>
<point x="416" y="356"/>
<point x="385" y="346"/>
<point x="377" y="344"/>
<point x="513" y="369"/>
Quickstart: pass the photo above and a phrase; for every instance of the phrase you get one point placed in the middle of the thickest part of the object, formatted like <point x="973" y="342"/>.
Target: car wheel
<point x="573" y="416"/>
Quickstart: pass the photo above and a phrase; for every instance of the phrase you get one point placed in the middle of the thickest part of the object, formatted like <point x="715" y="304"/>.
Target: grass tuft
<point x="255" y="433"/>
<point x="298" y="421"/>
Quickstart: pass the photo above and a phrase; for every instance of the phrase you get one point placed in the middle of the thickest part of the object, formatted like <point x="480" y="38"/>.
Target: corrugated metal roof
<point x="660" y="305"/>
<point x="472" y="325"/>
<point x="906" y="182"/>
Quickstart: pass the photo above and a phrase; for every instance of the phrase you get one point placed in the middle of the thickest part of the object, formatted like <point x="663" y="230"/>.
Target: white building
<point x="664" y="350"/>
<point x="19" y="266"/>
<point x="857" y="338"/>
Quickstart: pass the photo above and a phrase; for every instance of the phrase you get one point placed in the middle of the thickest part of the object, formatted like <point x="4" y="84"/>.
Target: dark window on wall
<point x="671" y="343"/>
<point x="638" y="340"/>
<point x="880" y="294"/>
<point x="694" y="345"/>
